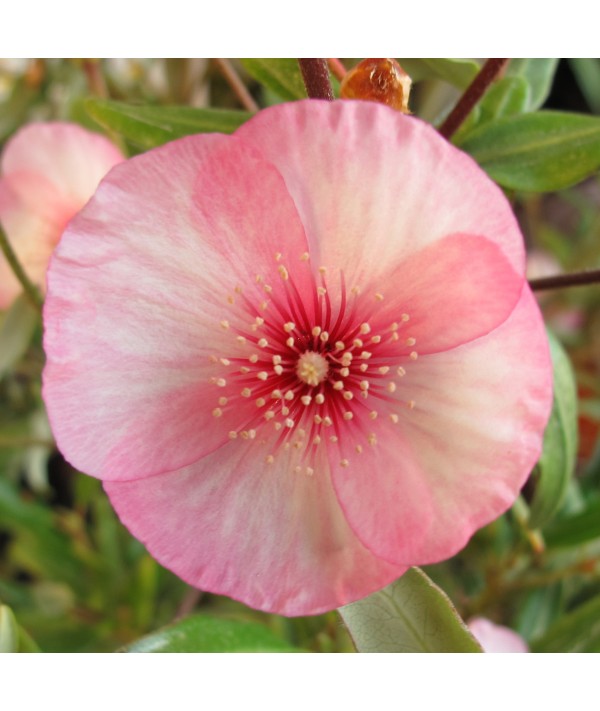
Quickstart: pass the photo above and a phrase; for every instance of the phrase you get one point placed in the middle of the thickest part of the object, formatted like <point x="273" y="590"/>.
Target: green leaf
<point x="539" y="75"/>
<point x="578" y="631"/>
<point x="13" y="638"/>
<point x="201" y="633"/>
<point x="150" y="126"/>
<point x="542" y="151"/>
<point x="575" y="530"/>
<point x="16" y="329"/>
<point x="458" y="72"/>
<point x="282" y="76"/>
<point x="587" y="73"/>
<point x="559" y="453"/>
<point x="507" y="97"/>
<point x="410" y="615"/>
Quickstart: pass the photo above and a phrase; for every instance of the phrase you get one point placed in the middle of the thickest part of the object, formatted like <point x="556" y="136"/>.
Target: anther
<point x="411" y="341"/>
<point x="241" y="340"/>
<point x="383" y="369"/>
<point x="364" y="385"/>
<point x="391" y="387"/>
<point x="217" y="412"/>
<point x="233" y="434"/>
<point x="278" y="256"/>
<point x="316" y="331"/>
<point x="327" y="421"/>
<point x="373" y="415"/>
<point x="290" y="342"/>
<point x="319" y="398"/>
<point x="283" y="272"/>
<point x="375" y="339"/>
<point x="246" y="392"/>
<point x="253" y="358"/>
<point x="222" y="401"/>
<point x="414" y="355"/>
<point x="344" y="463"/>
<point x="344" y="372"/>
<point x="276" y="359"/>
<point x="259" y="321"/>
<point x="358" y="448"/>
<point x="263" y="375"/>
<point x="357" y="343"/>
<point x="276" y="394"/>
<point x="394" y="418"/>
<point x="348" y="415"/>
<point x="225" y="361"/>
<point x="263" y="343"/>
<point x="365" y="355"/>
<point x="324" y="337"/>
<point x="338" y="385"/>
<point x="269" y="459"/>
<point x="363" y="367"/>
<point x="379" y="297"/>
<point x="347" y="395"/>
<point x="278" y="369"/>
<point x="221" y="382"/>
<point x="339" y="346"/>
<point x="333" y="438"/>
<point x="305" y="256"/>
<point x="321" y="290"/>
<point x="306" y="399"/>
<point x="225" y="324"/>
<point x="261" y="402"/>
<point x="364" y="329"/>
<point x="289" y="327"/>
<point x="289" y="423"/>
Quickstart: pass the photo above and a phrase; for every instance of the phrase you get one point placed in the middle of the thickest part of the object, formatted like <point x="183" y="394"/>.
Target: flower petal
<point x="496" y="638"/>
<point x="49" y="171"/>
<point x="138" y="295"/>
<point x="454" y="290"/>
<point x="372" y="186"/>
<point x="274" y="538"/>
<point x="459" y="458"/>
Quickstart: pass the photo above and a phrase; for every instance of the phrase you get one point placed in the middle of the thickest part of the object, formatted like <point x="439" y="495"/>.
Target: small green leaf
<point x="202" y="633"/>
<point x="539" y="75"/>
<point x="282" y="76"/>
<point x="410" y="615"/>
<point x="542" y="151"/>
<point x="578" y="631"/>
<point x="559" y="453"/>
<point x="575" y="530"/>
<point x="150" y="126"/>
<point x="16" y="329"/>
<point x="458" y="72"/>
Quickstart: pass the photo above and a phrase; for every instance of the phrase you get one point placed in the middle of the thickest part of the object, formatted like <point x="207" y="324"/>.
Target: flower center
<point x="303" y="373"/>
<point x="312" y="368"/>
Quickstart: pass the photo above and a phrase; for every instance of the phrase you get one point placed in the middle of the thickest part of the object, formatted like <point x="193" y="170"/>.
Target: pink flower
<point x="303" y="357"/>
<point x="49" y="172"/>
<point x="496" y="638"/>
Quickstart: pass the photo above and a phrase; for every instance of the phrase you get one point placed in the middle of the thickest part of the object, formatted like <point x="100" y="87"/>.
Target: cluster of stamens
<point x="318" y="376"/>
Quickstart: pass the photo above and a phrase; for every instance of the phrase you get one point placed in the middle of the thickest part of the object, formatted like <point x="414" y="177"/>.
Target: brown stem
<point x="239" y="88"/>
<point x="95" y="78"/>
<point x="562" y="281"/>
<point x="316" y="78"/>
<point x="337" y="68"/>
<point x="473" y="93"/>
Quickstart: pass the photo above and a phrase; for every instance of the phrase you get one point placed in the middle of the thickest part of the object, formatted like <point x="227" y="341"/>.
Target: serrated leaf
<point x="458" y="72"/>
<point x="16" y="329"/>
<point x="539" y="75"/>
<point x="410" y="615"/>
<point x="150" y="126"/>
<point x="578" y="631"/>
<point x="282" y="76"/>
<point x="201" y="633"/>
<point x="538" y="152"/>
<point x="559" y="453"/>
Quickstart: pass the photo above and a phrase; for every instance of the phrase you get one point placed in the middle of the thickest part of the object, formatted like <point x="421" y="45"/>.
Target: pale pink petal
<point x="373" y="186"/>
<point x="49" y="171"/>
<point x="453" y="291"/>
<point x="458" y="459"/>
<point x="141" y="290"/>
<point x="496" y="638"/>
<point x="266" y="534"/>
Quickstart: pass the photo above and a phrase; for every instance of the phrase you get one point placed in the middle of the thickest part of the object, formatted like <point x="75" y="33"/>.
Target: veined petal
<point x="164" y="269"/>
<point x="458" y="458"/>
<point x="372" y="186"/>
<point x="270" y="535"/>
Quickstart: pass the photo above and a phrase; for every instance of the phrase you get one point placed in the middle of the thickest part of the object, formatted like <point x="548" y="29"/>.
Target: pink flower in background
<point x="496" y="638"/>
<point x="49" y="171"/>
<point x="302" y="357"/>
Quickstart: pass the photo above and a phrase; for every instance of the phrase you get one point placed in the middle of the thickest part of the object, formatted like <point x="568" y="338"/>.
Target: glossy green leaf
<point x="578" y="631"/>
<point x="16" y="329"/>
<point x="410" y="615"/>
<point x="458" y="72"/>
<point x="539" y="75"/>
<point x="575" y="530"/>
<point x="559" y="453"/>
<point x="557" y="463"/>
<point x="201" y="633"/>
<point x="282" y="76"/>
<point x="150" y="126"/>
<point x="542" y="151"/>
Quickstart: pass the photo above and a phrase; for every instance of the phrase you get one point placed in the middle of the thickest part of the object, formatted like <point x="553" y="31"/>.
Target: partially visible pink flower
<point x="496" y="638"/>
<point x="302" y="357"/>
<point x="49" y="171"/>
